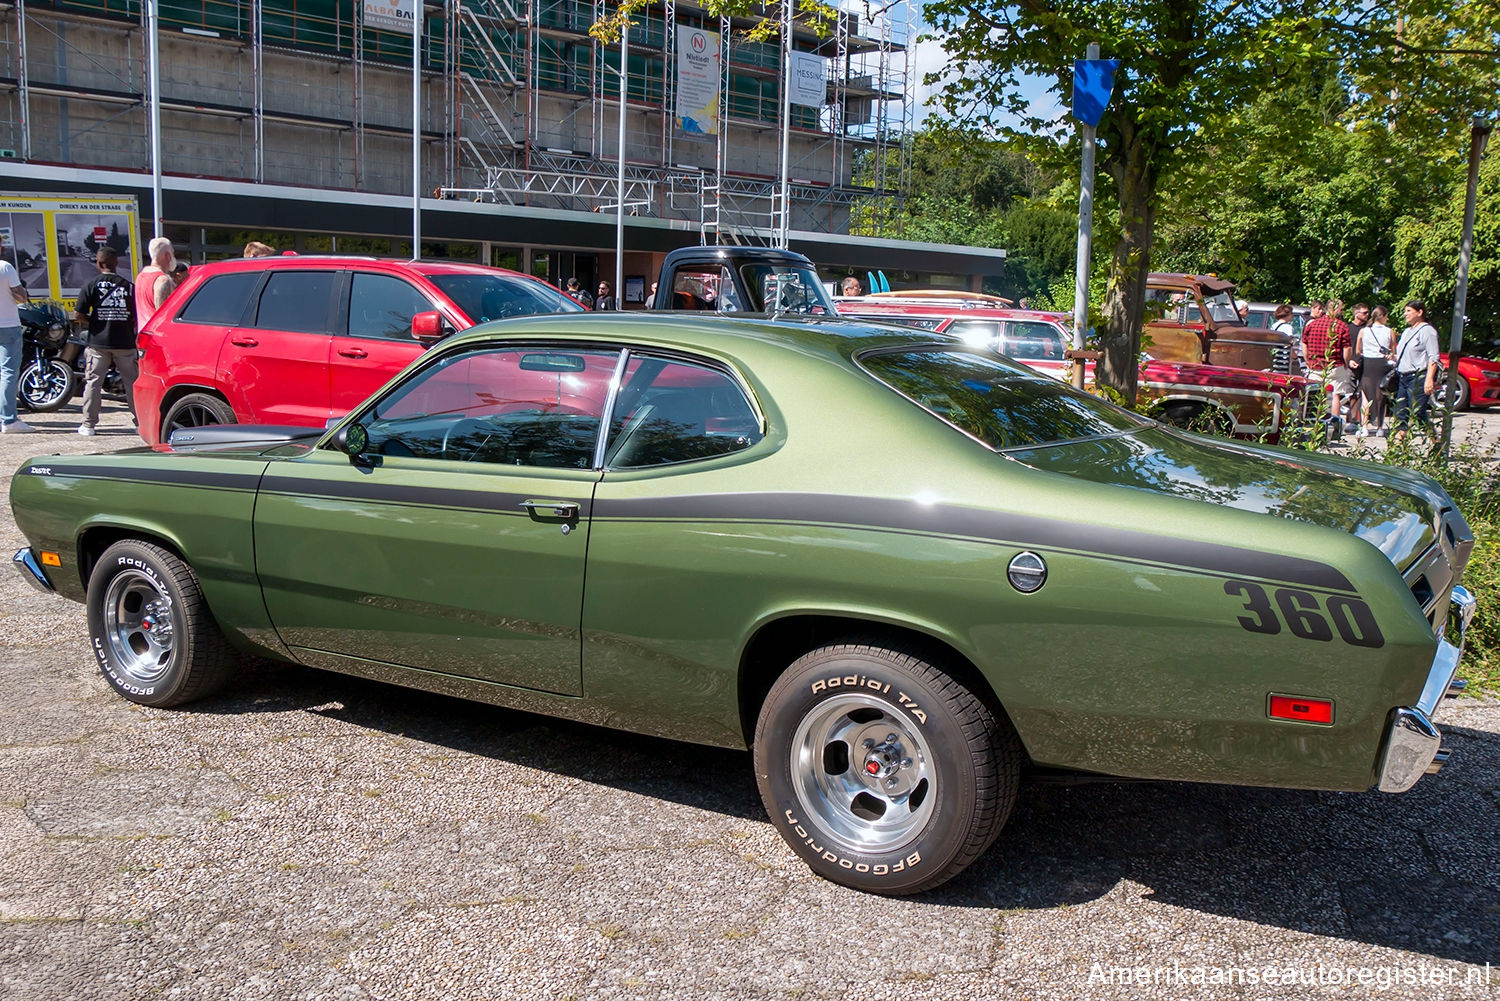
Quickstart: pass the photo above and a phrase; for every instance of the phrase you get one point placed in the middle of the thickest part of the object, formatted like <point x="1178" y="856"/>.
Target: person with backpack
<point x="107" y="306"/>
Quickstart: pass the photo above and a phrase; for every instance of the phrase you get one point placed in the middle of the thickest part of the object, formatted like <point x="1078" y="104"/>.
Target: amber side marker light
<point x="51" y="559"/>
<point x="1302" y="710"/>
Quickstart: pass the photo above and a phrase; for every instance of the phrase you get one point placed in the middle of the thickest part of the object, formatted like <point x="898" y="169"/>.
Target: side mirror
<point x="352" y="440"/>
<point x="428" y="328"/>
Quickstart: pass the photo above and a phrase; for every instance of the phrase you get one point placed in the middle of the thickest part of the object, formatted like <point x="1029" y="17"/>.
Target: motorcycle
<point x="48" y="379"/>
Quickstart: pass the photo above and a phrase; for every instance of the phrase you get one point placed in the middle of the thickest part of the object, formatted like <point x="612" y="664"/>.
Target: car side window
<point x="978" y="333"/>
<point x="381" y="306"/>
<point x="675" y="411"/>
<point x="513" y="406"/>
<point x="1031" y="340"/>
<point x="221" y="300"/>
<point x="296" y="301"/>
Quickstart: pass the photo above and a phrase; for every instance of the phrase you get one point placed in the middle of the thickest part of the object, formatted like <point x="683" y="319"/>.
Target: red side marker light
<point x="1302" y="710"/>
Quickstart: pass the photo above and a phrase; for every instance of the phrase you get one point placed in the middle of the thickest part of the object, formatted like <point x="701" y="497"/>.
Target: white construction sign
<point x="391" y="15"/>
<point x="809" y="80"/>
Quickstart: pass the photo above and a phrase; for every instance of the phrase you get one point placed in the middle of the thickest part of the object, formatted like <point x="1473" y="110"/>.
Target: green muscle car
<point x="900" y="569"/>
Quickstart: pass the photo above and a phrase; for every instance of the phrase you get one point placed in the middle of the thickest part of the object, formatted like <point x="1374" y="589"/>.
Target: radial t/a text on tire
<point x="883" y="772"/>
<point x="150" y="630"/>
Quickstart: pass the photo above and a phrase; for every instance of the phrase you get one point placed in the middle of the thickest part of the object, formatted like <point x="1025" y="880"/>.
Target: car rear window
<point x="1002" y="404"/>
<point x="494" y="297"/>
<point x="221" y="300"/>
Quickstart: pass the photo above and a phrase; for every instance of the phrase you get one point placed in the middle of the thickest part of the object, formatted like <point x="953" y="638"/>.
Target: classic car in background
<point x="1237" y="401"/>
<point x="895" y="566"/>
<point x="1196" y="321"/>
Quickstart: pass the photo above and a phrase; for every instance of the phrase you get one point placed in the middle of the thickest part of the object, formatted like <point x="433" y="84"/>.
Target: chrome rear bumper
<point x="26" y="562"/>
<point x="1413" y="746"/>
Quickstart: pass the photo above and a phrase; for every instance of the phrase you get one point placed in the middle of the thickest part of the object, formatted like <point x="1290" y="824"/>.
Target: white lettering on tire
<point x="809" y="839"/>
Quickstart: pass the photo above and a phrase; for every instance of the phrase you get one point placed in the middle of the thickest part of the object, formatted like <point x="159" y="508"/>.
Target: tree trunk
<point x="1134" y="173"/>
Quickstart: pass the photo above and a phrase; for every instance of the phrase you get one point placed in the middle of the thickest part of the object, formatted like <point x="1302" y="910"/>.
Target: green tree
<point x="1188" y="68"/>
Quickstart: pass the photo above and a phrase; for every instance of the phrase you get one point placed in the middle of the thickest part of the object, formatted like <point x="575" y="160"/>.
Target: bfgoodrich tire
<point x="152" y="634"/>
<point x="881" y="771"/>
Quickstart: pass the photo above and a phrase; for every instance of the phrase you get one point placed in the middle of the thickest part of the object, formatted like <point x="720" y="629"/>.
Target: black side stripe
<point x="1019" y="529"/>
<point x="181" y="477"/>
<point x="424" y="496"/>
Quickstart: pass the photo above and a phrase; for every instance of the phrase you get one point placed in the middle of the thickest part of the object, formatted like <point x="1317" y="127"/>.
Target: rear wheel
<point x="881" y="771"/>
<point x="1460" y="395"/>
<point x="154" y="639"/>
<point x="47" y="384"/>
<point x="196" y="410"/>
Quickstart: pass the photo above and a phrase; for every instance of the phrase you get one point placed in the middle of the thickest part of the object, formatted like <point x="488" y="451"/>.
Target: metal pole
<point x="416" y="133"/>
<point x="153" y="71"/>
<point x="258" y="97"/>
<point x="1085" y="243"/>
<point x="1479" y="135"/>
<point x="783" y="231"/>
<point x="23" y="80"/>
<point x="620" y="171"/>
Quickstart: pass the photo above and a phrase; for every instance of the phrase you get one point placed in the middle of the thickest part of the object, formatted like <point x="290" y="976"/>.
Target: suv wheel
<point x="196" y="410"/>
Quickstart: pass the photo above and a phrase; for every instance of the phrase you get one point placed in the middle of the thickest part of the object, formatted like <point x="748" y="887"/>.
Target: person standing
<point x="257" y="249"/>
<point x="575" y="291"/>
<point x="107" y="306"/>
<point x="651" y="299"/>
<point x="1281" y="321"/>
<point x="11" y="348"/>
<point x="1375" y="348"/>
<point x="154" y="283"/>
<point x="1416" y="365"/>
<point x="605" y="300"/>
<point x="851" y="287"/>
<point x="1326" y="350"/>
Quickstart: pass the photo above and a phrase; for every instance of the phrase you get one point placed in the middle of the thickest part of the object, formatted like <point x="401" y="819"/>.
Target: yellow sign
<point x="51" y="240"/>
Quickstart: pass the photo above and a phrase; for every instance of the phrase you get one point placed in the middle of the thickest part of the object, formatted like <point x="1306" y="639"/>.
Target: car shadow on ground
<point x="1418" y="872"/>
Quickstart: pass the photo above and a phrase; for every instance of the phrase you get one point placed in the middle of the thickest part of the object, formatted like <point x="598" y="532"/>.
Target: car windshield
<point x="1002" y="404"/>
<point x="494" y="297"/>
<point x="776" y="288"/>
<point x="1221" y="308"/>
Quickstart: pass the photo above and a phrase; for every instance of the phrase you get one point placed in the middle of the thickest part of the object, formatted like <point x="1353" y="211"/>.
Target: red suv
<point x="298" y="340"/>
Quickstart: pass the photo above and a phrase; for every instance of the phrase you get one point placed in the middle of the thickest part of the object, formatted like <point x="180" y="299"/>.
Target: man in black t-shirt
<point x="107" y="305"/>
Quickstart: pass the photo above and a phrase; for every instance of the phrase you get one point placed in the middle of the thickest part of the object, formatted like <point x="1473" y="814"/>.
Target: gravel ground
<point x="307" y="835"/>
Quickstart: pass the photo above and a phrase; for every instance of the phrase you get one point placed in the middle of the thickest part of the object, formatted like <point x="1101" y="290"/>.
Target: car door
<point x="278" y="359"/>
<point x="455" y="542"/>
<point x="372" y="341"/>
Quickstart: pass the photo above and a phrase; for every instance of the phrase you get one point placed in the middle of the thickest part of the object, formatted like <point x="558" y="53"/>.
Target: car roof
<point x="321" y="261"/>
<point x="829" y="336"/>
<point x="859" y="306"/>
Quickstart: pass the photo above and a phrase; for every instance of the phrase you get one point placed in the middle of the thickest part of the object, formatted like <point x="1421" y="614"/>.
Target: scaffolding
<point x="520" y="104"/>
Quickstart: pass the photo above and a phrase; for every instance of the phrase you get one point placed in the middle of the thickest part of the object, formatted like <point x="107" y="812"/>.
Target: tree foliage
<point x="1197" y="95"/>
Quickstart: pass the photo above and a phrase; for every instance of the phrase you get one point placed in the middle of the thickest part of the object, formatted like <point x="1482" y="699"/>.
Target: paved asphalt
<point x="306" y="835"/>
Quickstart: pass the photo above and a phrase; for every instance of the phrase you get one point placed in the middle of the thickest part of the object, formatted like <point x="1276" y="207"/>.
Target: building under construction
<point x="295" y="118"/>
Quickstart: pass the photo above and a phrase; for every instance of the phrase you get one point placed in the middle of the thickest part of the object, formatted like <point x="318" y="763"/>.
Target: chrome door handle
<point x="553" y="509"/>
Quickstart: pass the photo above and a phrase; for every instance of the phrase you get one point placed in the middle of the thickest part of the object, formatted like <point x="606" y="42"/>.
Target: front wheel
<point x="46" y="384"/>
<point x="153" y="636"/>
<point x="1460" y="395"/>
<point x="881" y="771"/>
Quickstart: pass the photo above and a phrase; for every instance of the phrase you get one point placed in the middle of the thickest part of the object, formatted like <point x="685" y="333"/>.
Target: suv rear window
<point x="1002" y="404"/>
<point x="221" y="300"/>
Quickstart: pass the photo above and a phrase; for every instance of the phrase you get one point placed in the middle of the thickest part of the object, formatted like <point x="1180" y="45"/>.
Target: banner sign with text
<point x="809" y="80"/>
<point x="699" y="68"/>
<point x="391" y="15"/>
<point x="51" y="241"/>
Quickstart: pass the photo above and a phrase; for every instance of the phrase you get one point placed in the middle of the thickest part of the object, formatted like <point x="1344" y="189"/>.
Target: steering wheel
<point x="455" y="434"/>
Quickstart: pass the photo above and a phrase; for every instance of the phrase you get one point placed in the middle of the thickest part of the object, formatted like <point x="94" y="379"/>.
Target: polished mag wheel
<point x="863" y="772"/>
<point x="139" y="627"/>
